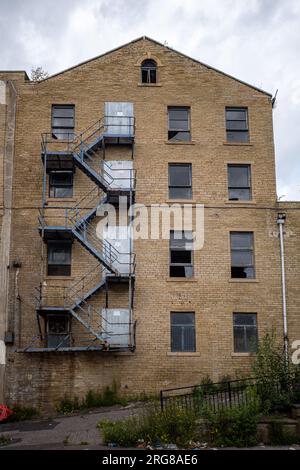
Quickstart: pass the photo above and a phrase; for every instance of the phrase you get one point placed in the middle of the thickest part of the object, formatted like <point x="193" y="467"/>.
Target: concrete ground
<point x="75" y="432"/>
<point x="64" y="432"/>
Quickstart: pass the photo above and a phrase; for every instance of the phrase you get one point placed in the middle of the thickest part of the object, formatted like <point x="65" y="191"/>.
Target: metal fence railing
<point x="222" y="395"/>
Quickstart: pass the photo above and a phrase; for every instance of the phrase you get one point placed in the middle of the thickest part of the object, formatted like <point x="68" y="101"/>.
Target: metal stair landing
<point x="87" y="152"/>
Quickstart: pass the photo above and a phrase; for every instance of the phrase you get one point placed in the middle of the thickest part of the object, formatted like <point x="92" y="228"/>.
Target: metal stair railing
<point x="105" y="249"/>
<point x="91" y="135"/>
<point x="84" y="207"/>
<point x="75" y="297"/>
<point x="102" y="249"/>
<point x="106" y="175"/>
<point x="87" y="285"/>
<point x="83" y="144"/>
<point x="99" y="129"/>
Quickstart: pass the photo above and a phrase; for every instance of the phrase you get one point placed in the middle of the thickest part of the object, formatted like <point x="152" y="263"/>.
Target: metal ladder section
<point x="79" y="219"/>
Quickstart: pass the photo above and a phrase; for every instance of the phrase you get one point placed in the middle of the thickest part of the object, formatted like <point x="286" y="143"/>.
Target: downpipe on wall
<point x="280" y="222"/>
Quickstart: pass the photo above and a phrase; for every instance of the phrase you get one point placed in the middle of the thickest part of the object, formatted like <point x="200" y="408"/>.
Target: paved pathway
<point x="75" y="432"/>
<point x="64" y="432"/>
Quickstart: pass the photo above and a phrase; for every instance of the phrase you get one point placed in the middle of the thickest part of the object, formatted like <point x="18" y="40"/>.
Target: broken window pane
<point x="179" y="124"/>
<point x="58" y="331"/>
<point x="181" y="257"/>
<point x="242" y="256"/>
<point x="60" y="184"/>
<point x="62" y="122"/>
<point x="181" y="260"/>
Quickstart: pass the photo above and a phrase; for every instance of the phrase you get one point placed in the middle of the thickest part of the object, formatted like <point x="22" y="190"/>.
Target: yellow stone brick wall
<point x="43" y="379"/>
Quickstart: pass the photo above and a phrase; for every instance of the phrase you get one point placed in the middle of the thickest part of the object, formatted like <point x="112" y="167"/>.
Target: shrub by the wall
<point x="154" y="427"/>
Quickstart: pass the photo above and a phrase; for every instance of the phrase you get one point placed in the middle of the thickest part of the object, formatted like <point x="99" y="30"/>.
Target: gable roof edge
<point x="167" y="47"/>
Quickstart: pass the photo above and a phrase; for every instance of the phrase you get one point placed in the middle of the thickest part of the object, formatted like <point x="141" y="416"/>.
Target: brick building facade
<point x="72" y="318"/>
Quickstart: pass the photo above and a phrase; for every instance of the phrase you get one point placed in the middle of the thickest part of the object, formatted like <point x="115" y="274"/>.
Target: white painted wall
<point x="2" y="353"/>
<point x="118" y="237"/>
<point x="2" y="92"/>
<point x="115" y="323"/>
<point x="118" y="173"/>
<point x="117" y="118"/>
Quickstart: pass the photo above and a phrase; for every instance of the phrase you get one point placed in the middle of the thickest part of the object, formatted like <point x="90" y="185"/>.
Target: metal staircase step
<point x="87" y="218"/>
<point x="93" y="251"/>
<point x="86" y="325"/>
<point x="97" y="143"/>
<point x="92" y="174"/>
<point x="89" y="294"/>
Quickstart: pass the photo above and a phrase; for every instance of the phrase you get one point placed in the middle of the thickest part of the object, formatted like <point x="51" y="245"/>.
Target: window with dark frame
<point x="62" y="122"/>
<point x="245" y="336"/>
<point x="58" y="331"/>
<point x="239" y="182"/>
<point x="179" y="124"/>
<point x="237" y="125"/>
<point x="60" y="184"/>
<point x="183" y="335"/>
<point x="242" y="255"/>
<point x="180" y="181"/>
<point x="181" y="256"/>
<point x="149" y="71"/>
<point x="59" y="258"/>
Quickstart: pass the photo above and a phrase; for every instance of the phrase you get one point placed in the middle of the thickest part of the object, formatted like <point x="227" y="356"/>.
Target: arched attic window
<point x="149" y="71"/>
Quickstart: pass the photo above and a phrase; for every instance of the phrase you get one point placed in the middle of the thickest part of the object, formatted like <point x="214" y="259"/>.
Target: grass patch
<point x="280" y="437"/>
<point x="66" y="440"/>
<point x="154" y="427"/>
<point x="92" y="399"/>
<point x="5" y="440"/>
<point x="22" y="413"/>
<point x="236" y="426"/>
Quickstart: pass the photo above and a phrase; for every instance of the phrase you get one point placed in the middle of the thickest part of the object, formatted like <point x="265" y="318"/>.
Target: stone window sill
<point x="246" y="354"/>
<point x="181" y="279"/>
<point x="59" y="278"/>
<point x="238" y="144"/>
<point x="149" y="85"/>
<point x="181" y="201"/>
<point x="241" y="280"/>
<point x="252" y="201"/>
<point x="63" y="199"/>
<point x="183" y="354"/>
<point x="190" y="142"/>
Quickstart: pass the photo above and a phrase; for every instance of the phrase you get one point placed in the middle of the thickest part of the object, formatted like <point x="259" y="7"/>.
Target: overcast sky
<point x="257" y="41"/>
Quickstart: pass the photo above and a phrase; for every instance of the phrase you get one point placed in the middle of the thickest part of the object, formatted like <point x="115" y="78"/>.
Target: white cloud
<point x="257" y="41"/>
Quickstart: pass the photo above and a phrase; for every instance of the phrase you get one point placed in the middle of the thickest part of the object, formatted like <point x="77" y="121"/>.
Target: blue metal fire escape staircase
<point x="79" y="224"/>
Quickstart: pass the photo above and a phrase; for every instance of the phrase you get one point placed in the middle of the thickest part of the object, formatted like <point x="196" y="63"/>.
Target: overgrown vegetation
<point x="108" y="397"/>
<point x="5" y="440"/>
<point x="279" y="436"/>
<point x="272" y="391"/>
<point x="22" y="413"/>
<point x="236" y="426"/>
<point x="154" y="427"/>
<point x="274" y="376"/>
